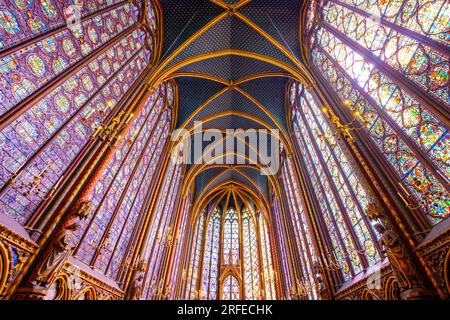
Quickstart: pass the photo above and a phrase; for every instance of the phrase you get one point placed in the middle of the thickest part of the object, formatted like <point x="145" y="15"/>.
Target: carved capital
<point x="374" y="211"/>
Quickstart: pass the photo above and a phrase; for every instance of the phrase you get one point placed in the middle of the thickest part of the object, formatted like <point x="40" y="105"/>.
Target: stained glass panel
<point x="230" y="289"/>
<point x="301" y="228"/>
<point x="251" y="259"/>
<point x="210" y="275"/>
<point x="196" y="255"/>
<point x="268" y="280"/>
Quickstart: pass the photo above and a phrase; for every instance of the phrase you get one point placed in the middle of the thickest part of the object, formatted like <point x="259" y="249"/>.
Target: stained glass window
<point x="118" y="199"/>
<point x="269" y="279"/>
<point x="180" y="236"/>
<point x="40" y="62"/>
<point x="388" y="61"/>
<point x="282" y="247"/>
<point x="230" y="289"/>
<point x="230" y="251"/>
<point x="23" y="20"/>
<point x="151" y="15"/>
<point x="56" y="91"/>
<point x="210" y="273"/>
<point x="194" y="264"/>
<point x="161" y="229"/>
<point x="298" y="217"/>
<point x="339" y="191"/>
<point x="251" y="257"/>
<point x="235" y="244"/>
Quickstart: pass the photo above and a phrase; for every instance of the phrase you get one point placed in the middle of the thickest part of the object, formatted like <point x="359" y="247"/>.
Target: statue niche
<point x="320" y="284"/>
<point x="410" y="281"/>
<point x="138" y="281"/>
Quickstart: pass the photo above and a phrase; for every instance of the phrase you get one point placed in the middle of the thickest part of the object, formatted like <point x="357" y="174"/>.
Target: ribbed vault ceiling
<point x="231" y="60"/>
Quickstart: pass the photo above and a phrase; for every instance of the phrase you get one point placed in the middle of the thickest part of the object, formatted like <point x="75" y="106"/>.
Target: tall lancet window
<point x="210" y="272"/>
<point x="120" y="197"/>
<point x="192" y="273"/>
<point x="150" y="15"/>
<point x="283" y="247"/>
<point x="230" y="288"/>
<point x="230" y="251"/>
<point x="302" y="233"/>
<point x="389" y="61"/>
<point x="269" y="277"/>
<point x="340" y="194"/>
<point x="59" y="81"/>
<point x="180" y="241"/>
<point x="251" y="257"/>
<point x="161" y="230"/>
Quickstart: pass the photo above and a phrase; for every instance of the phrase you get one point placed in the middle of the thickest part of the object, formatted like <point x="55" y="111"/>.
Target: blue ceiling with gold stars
<point x="232" y="61"/>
